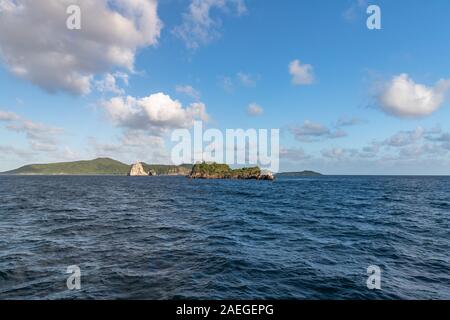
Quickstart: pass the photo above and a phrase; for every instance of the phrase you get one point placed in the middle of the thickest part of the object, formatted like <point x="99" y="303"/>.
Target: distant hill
<point x="100" y="166"/>
<point x="299" y="174"/>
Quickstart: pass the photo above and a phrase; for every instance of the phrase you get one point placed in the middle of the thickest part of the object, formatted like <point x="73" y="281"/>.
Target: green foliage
<point x="100" y="166"/>
<point x="184" y="169"/>
<point x="223" y="171"/>
<point x="299" y="174"/>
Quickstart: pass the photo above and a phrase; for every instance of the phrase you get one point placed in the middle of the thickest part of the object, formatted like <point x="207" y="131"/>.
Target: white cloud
<point x="6" y="151"/>
<point x="404" y="138"/>
<point x="36" y="45"/>
<point x="199" y="27"/>
<point x="349" y="122"/>
<point x="356" y="9"/>
<point x="189" y="91"/>
<point x="156" y="112"/>
<point x="404" y="98"/>
<point x="338" y="153"/>
<point x="227" y="84"/>
<point x="132" y="145"/>
<point x="7" y="116"/>
<point x="240" y="79"/>
<point x="254" y="110"/>
<point x="311" y="132"/>
<point x="302" y="74"/>
<point x="40" y="137"/>
<point x="291" y="154"/>
<point x="109" y="84"/>
<point x="247" y="79"/>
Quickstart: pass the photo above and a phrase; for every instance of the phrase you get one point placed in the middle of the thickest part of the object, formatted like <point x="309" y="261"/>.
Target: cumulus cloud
<point x="40" y="137"/>
<point x="109" y="83"/>
<point x="294" y="154"/>
<point x="404" y="138"/>
<point x="36" y="45"/>
<point x="302" y="74"/>
<point x="7" y="116"/>
<point x="247" y="79"/>
<point x="132" y="145"/>
<point x="339" y="153"/>
<point x="404" y="98"/>
<point x="157" y="112"/>
<point x="311" y="132"/>
<point x="189" y="91"/>
<point x="199" y="26"/>
<point x="254" y="110"/>
<point x="410" y="145"/>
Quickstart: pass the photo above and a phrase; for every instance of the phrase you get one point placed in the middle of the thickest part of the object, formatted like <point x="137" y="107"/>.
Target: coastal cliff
<point x="223" y="171"/>
<point x="137" y="170"/>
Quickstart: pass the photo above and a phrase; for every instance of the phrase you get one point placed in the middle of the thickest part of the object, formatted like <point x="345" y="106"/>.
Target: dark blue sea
<point x="173" y="238"/>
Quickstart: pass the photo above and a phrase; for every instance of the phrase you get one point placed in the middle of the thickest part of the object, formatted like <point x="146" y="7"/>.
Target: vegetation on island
<point x="107" y="166"/>
<point x="100" y="166"/>
<point x="306" y="173"/>
<point x="168" y="170"/>
<point x="222" y="171"/>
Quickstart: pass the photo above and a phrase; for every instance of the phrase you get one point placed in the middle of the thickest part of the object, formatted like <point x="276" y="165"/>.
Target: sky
<point x="347" y="99"/>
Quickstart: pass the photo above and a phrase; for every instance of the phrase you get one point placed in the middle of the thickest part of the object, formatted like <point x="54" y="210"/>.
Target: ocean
<point x="175" y="238"/>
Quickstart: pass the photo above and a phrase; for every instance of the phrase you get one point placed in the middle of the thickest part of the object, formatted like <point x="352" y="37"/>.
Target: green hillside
<point x="299" y="174"/>
<point x="164" y="170"/>
<point x="100" y="166"/>
<point x="223" y="171"/>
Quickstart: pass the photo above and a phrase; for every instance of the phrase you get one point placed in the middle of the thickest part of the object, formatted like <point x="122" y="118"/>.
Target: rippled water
<point x="169" y="237"/>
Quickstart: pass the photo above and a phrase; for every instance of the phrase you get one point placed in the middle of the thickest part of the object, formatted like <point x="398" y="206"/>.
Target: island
<point x="101" y="166"/>
<point x="223" y="171"/>
<point x="306" y="173"/>
<point x="111" y="167"/>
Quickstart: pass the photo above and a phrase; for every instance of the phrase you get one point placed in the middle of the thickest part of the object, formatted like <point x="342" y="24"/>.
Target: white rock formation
<point x="137" y="170"/>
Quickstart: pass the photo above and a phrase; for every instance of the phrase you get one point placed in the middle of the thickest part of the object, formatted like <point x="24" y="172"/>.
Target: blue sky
<point x="355" y="101"/>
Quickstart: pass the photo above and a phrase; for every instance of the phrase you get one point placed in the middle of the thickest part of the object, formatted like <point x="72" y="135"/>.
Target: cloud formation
<point x="36" y="45"/>
<point x="109" y="83"/>
<point x="7" y="116"/>
<point x="40" y="137"/>
<point x="254" y="110"/>
<point x="312" y="132"/>
<point x="189" y="91"/>
<point x="199" y="26"/>
<point x="355" y="10"/>
<point x="157" y="112"/>
<point x="407" y="145"/>
<point x="302" y="74"/>
<point x="131" y="145"/>
<point x="241" y="79"/>
<point x="402" y="97"/>
<point x="247" y="79"/>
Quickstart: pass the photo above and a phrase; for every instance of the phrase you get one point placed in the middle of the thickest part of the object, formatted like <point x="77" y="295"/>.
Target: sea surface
<point x="173" y="238"/>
